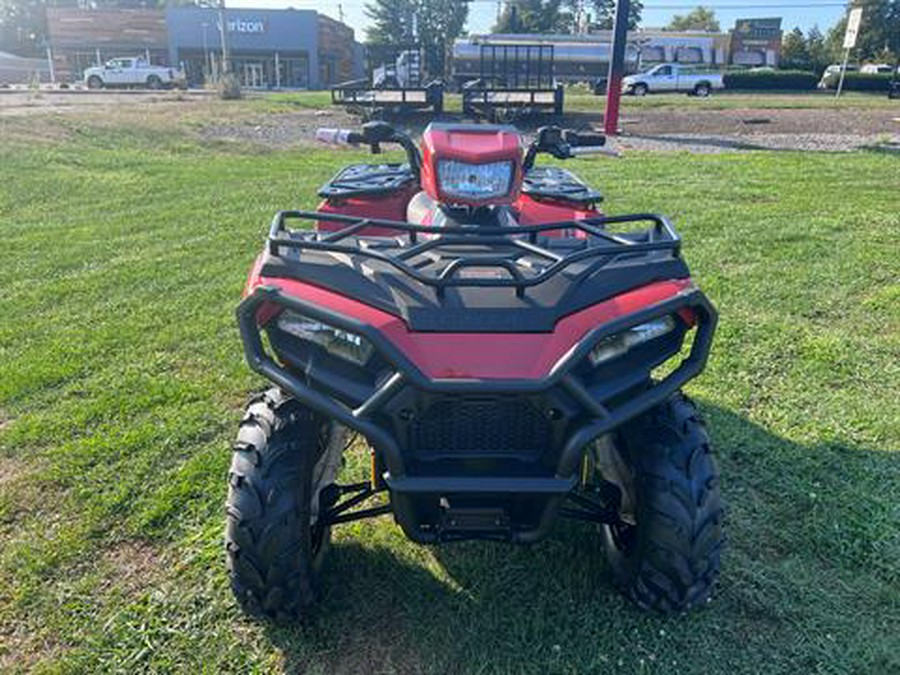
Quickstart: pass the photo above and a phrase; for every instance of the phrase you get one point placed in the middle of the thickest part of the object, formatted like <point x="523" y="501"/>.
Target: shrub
<point x="771" y="79"/>
<point x="229" y="87"/>
<point x="860" y="81"/>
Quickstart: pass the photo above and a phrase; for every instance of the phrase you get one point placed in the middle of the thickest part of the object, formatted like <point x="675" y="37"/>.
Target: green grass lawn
<point x="121" y="382"/>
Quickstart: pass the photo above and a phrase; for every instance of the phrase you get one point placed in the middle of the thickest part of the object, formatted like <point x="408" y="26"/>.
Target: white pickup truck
<point x="673" y="77"/>
<point x="132" y="72"/>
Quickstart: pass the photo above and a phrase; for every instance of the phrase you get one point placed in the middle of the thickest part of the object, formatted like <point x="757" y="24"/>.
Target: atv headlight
<point x="474" y="181"/>
<point x="342" y="343"/>
<point x="616" y="345"/>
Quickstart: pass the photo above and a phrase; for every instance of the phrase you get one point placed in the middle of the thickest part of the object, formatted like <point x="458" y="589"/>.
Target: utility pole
<point x="50" y="70"/>
<point x="616" y="68"/>
<point x="223" y="30"/>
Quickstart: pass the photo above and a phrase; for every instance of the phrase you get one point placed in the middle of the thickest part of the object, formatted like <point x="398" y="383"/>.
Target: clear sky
<point x="482" y="13"/>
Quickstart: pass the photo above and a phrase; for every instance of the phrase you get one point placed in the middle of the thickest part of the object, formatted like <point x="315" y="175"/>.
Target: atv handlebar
<point x="374" y="134"/>
<point x="338" y="136"/>
<point x="565" y="144"/>
<point x="560" y="143"/>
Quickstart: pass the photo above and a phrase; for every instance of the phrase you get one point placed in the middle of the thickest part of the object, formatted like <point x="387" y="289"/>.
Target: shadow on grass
<point x="809" y="578"/>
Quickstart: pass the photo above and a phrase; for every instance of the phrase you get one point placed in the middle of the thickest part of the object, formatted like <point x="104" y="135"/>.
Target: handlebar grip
<point x="338" y="136"/>
<point x="594" y="150"/>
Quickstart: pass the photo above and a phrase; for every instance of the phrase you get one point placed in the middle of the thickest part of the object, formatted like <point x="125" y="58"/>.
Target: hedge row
<point x="861" y="81"/>
<point x="771" y="79"/>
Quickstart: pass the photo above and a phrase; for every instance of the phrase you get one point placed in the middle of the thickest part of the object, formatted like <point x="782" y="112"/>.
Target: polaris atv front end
<point x="503" y="372"/>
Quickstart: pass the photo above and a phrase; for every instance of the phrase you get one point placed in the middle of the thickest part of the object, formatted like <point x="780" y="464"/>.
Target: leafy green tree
<point x="534" y="16"/>
<point x="834" y="41"/>
<point x="879" y="33"/>
<point x="603" y="13"/>
<point x="815" y="47"/>
<point x="440" y="23"/>
<point x="432" y="23"/>
<point x="794" y="51"/>
<point x="699" y="18"/>
<point x="392" y="21"/>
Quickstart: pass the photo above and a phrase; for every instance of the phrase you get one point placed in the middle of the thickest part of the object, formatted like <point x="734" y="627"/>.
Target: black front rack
<point x="437" y="256"/>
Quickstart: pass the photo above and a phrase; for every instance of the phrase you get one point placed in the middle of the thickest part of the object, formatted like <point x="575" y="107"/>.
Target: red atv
<point x="509" y="354"/>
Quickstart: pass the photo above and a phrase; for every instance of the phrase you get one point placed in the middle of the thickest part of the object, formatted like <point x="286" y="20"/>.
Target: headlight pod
<point x="337" y="341"/>
<point x="474" y="181"/>
<point x="619" y="344"/>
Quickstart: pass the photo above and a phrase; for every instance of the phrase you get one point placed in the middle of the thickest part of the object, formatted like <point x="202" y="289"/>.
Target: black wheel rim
<point x="622" y="535"/>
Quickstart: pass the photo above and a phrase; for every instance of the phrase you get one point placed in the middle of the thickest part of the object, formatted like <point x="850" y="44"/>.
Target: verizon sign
<point x="853" y="22"/>
<point x="252" y="26"/>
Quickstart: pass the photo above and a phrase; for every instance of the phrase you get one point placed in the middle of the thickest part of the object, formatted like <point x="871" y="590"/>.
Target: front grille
<point x="480" y="426"/>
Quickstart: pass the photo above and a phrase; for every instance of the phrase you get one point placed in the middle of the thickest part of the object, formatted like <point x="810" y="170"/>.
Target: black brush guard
<point x="600" y="418"/>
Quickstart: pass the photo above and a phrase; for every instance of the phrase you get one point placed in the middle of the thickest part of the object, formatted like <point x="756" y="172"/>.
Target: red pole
<point x="616" y="69"/>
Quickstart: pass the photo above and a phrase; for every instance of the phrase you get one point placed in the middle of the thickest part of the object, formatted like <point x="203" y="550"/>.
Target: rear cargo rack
<point x="438" y="257"/>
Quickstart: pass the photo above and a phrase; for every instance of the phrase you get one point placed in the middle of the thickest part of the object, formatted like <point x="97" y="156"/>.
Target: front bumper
<point x="592" y="412"/>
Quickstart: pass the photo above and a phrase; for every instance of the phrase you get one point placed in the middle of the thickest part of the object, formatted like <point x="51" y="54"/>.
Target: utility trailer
<point x="514" y="80"/>
<point x="396" y="85"/>
<point x="371" y="103"/>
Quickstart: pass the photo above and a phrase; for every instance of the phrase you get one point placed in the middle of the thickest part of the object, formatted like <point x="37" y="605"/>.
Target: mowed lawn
<point x="122" y="255"/>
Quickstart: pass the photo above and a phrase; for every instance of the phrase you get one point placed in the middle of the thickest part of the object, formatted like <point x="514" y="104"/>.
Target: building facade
<point x="82" y="38"/>
<point x="267" y="49"/>
<point x="756" y="42"/>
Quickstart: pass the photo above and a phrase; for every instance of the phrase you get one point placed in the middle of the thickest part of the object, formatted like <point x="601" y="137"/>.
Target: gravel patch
<point x="717" y="143"/>
<point x="280" y="130"/>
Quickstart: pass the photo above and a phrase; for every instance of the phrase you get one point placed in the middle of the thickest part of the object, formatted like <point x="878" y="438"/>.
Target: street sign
<point x="852" y="33"/>
<point x="850" y="36"/>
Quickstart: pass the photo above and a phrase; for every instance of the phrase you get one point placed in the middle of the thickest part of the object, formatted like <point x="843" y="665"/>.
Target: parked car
<point x="133" y="72"/>
<point x="875" y="68"/>
<point x="673" y="77"/>
<point x="832" y="74"/>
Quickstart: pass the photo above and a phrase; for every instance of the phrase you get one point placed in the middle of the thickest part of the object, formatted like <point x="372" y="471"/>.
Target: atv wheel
<point x="665" y="552"/>
<point x="283" y="457"/>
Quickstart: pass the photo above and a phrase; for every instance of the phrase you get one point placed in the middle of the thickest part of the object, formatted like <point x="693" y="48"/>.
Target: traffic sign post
<point x="616" y="69"/>
<point x="850" y="36"/>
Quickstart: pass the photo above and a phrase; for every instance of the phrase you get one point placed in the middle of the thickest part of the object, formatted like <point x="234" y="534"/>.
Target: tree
<point x="879" y="33"/>
<point x="604" y="11"/>
<point x="392" y="21"/>
<point x="534" y="16"/>
<point x="432" y="23"/>
<point x="440" y="23"/>
<point x="815" y="47"/>
<point x="699" y="18"/>
<point x="795" y="51"/>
